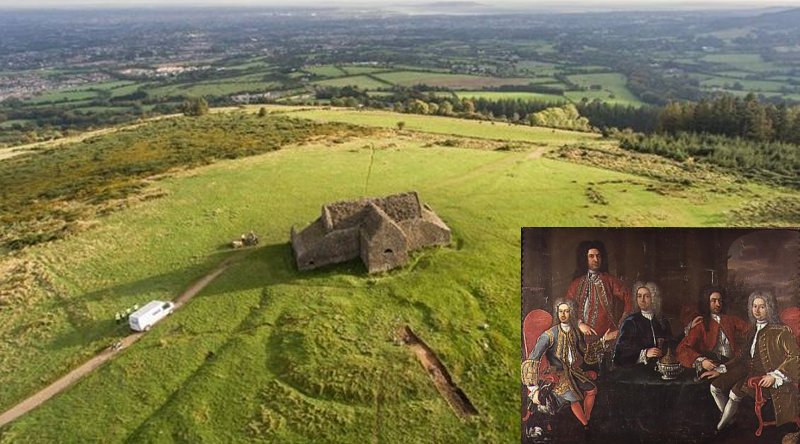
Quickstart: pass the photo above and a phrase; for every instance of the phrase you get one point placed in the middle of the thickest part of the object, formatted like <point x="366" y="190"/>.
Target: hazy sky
<point x="549" y="4"/>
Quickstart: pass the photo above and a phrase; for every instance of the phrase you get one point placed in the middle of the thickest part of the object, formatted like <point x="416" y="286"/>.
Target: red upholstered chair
<point x="790" y="317"/>
<point x="534" y="324"/>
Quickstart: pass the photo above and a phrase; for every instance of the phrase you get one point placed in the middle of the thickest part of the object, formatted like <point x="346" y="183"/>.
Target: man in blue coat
<point x="644" y="334"/>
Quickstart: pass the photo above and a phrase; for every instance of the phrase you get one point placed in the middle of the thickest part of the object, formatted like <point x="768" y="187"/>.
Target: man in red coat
<point x="601" y="299"/>
<point x="715" y="339"/>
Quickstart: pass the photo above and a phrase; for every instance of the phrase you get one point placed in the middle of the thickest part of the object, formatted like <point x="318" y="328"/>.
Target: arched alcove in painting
<point x="764" y="260"/>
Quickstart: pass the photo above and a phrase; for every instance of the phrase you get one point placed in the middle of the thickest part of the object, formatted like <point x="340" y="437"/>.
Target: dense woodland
<point x="771" y="162"/>
<point x="733" y="117"/>
<point x="761" y="141"/>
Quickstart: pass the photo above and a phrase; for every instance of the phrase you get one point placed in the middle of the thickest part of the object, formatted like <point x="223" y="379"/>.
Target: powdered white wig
<point x="655" y="306"/>
<point x="573" y="318"/>
<point x="772" y="306"/>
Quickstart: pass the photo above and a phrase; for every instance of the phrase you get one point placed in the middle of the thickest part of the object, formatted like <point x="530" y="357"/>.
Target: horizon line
<point x="432" y="6"/>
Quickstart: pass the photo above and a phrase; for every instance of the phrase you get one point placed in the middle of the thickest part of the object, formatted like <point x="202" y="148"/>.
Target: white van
<point x="144" y="318"/>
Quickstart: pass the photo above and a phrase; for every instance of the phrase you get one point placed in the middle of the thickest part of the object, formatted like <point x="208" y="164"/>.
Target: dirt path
<point x="498" y="165"/>
<point x="108" y="353"/>
<point x="441" y="377"/>
<point x="537" y="153"/>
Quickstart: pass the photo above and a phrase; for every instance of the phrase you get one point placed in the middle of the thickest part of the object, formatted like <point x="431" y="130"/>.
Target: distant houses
<point x="380" y="231"/>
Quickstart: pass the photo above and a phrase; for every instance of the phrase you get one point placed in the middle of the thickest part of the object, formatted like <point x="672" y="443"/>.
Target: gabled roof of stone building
<point x="374" y="220"/>
<point x="346" y="214"/>
<point x="380" y="230"/>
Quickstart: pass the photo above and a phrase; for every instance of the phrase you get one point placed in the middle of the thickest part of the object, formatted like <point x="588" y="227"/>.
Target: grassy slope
<point x="269" y="354"/>
<point x="441" y="125"/>
<point x="498" y="95"/>
<point x="410" y="78"/>
<point x="613" y="85"/>
<point x="360" y="81"/>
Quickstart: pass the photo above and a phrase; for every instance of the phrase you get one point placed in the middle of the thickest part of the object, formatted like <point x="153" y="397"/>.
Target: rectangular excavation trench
<point x="439" y="374"/>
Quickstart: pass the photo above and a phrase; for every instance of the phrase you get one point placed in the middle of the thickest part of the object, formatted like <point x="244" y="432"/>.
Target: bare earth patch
<point x="439" y="374"/>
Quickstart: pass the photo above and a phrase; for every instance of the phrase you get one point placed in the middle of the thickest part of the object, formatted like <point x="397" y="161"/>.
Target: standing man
<point x="601" y="299"/>
<point x="714" y="340"/>
<point x="772" y="354"/>
<point x="569" y="354"/>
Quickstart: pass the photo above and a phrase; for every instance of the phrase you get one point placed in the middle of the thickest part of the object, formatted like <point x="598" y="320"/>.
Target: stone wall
<point x="379" y="230"/>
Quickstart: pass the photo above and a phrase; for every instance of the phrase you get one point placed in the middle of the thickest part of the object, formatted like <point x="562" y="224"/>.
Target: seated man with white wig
<point x="643" y="334"/>
<point x="569" y="354"/>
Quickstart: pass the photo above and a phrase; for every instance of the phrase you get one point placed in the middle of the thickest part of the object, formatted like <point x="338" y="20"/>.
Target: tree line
<point x="422" y="100"/>
<point x="767" y="161"/>
<point x="724" y="115"/>
<point x="732" y="116"/>
<point x="743" y="135"/>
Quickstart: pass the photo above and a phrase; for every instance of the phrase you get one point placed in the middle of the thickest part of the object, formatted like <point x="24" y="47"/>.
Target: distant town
<point x="65" y="71"/>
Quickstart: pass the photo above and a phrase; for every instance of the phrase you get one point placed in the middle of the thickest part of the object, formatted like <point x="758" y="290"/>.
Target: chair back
<point x="791" y="317"/>
<point x="534" y="324"/>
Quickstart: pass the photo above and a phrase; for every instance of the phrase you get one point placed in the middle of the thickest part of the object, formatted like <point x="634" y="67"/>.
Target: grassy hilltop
<point x="268" y="354"/>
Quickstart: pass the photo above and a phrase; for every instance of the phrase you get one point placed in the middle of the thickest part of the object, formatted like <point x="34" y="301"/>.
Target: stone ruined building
<point x="381" y="231"/>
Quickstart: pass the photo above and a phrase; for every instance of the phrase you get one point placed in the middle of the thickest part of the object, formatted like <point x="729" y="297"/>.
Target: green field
<point x="361" y="69"/>
<point x="442" y="125"/>
<point x="734" y="74"/>
<point x="542" y="46"/>
<point x="102" y="109"/>
<point x="363" y="82"/>
<point x="454" y="81"/>
<point x="257" y="62"/>
<point x="63" y="96"/>
<point x="739" y="59"/>
<point x="88" y="91"/>
<point x="388" y="93"/>
<point x="747" y="85"/>
<point x="125" y="90"/>
<point x="592" y="69"/>
<point x="538" y="68"/>
<point x="547" y="81"/>
<point x="684" y="60"/>
<point x="501" y="95"/>
<point x="325" y="70"/>
<point x="310" y="356"/>
<point x="211" y="88"/>
<point x="419" y="68"/>
<point x="70" y="104"/>
<point x="114" y="84"/>
<point x="733" y="33"/>
<point x="613" y="89"/>
<point x="744" y="62"/>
